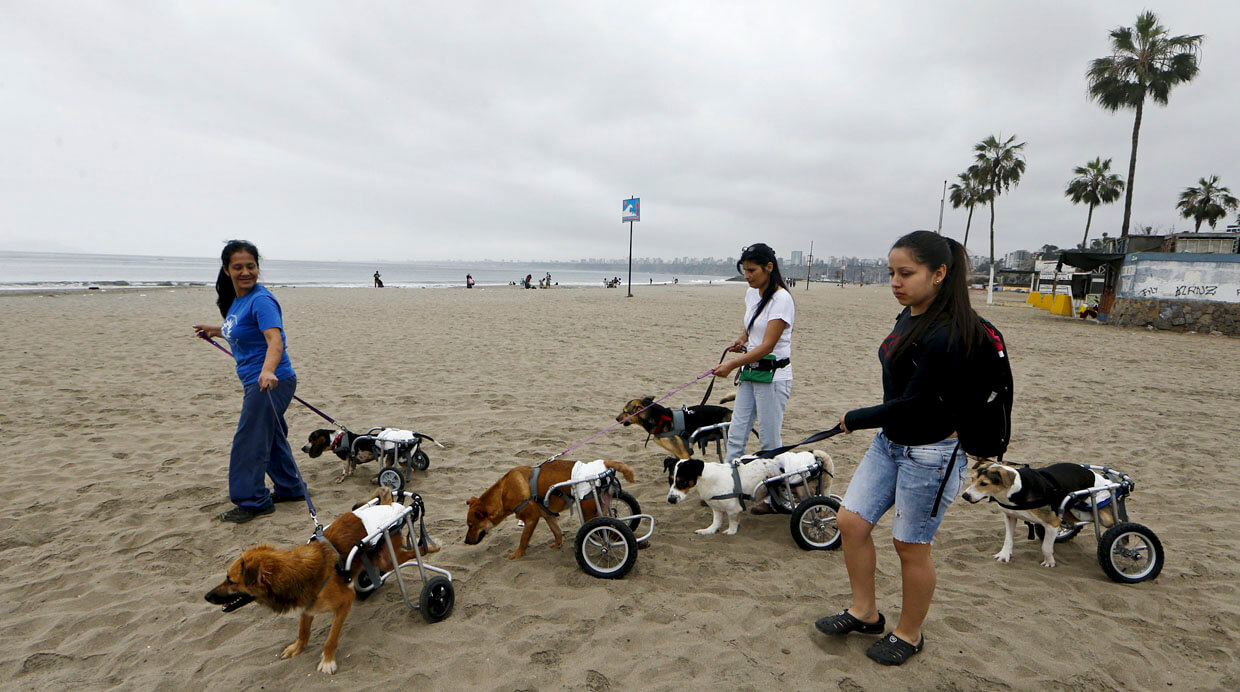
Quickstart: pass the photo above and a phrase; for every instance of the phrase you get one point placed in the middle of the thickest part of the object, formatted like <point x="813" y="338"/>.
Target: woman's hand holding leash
<point x="267" y="381"/>
<point x="842" y="425"/>
<point x="725" y="369"/>
<point x="206" y="331"/>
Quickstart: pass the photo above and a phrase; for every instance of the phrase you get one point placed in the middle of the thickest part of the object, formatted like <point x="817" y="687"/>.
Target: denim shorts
<point x="908" y="478"/>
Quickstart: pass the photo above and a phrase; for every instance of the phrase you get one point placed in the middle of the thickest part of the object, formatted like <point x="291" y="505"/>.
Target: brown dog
<point x="512" y="490"/>
<point x="305" y="578"/>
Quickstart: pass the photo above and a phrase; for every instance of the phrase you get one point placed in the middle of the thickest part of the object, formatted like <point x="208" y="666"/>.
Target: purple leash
<point x="303" y="402"/>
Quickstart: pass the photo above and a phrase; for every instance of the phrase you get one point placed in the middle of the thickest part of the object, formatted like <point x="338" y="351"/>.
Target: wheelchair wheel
<point x="420" y="461"/>
<point x="363" y="588"/>
<point x="391" y="477"/>
<point x="779" y="499"/>
<point x="437" y="598"/>
<point x="814" y="524"/>
<point x="623" y="504"/>
<point x="1066" y="533"/>
<point x="605" y="548"/>
<point x="1130" y="553"/>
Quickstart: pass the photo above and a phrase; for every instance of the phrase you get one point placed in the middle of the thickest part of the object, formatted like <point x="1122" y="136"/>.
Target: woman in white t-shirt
<point x="766" y="341"/>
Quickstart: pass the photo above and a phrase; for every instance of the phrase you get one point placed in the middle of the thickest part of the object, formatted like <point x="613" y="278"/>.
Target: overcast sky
<point x="472" y="130"/>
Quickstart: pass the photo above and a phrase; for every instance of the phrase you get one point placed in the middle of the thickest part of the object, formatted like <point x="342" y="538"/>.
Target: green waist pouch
<point x="762" y="370"/>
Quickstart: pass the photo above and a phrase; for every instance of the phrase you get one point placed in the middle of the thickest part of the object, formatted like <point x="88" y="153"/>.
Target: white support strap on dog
<point x="588" y="472"/>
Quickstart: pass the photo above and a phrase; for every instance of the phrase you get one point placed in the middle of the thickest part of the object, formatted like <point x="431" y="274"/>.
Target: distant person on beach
<point x="254" y="327"/>
<point x="766" y="341"/>
<point x="469" y="281"/>
<point x="915" y="452"/>
<point x="378" y="281"/>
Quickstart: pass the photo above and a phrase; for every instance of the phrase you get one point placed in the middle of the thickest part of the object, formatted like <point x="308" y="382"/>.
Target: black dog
<point x="673" y="430"/>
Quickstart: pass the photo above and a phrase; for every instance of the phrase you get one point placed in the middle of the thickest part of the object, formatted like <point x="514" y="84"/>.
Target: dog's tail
<point x="623" y="468"/>
<point x="828" y="467"/>
<point x="728" y="398"/>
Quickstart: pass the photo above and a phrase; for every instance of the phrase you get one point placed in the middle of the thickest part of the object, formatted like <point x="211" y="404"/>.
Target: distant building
<point x="797" y="258"/>
<point x="1018" y="259"/>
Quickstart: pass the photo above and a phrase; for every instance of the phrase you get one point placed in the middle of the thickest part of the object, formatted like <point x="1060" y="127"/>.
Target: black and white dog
<point x="1033" y="495"/>
<point x="723" y="491"/>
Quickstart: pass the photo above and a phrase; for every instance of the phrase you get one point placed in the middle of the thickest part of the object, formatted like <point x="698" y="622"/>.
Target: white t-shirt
<point x="780" y="307"/>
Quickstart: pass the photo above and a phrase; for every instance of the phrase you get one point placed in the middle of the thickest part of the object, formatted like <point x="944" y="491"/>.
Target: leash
<point x="305" y="489"/>
<point x="711" y="386"/>
<point x="617" y="424"/>
<point x="303" y="402"/>
<point x="771" y="453"/>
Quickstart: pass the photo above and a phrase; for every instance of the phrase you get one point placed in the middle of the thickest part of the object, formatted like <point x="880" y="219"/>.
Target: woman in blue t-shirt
<point x="254" y="327"/>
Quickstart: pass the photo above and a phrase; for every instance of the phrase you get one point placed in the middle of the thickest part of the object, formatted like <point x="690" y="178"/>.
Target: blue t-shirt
<point x="247" y="318"/>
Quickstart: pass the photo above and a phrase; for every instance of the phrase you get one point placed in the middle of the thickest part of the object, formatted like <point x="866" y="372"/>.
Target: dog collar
<point x="336" y="440"/>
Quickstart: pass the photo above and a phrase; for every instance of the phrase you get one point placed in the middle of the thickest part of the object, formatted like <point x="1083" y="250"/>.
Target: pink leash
<point x="617" y="424"/>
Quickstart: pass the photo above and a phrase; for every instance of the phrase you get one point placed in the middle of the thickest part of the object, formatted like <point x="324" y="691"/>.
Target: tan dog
<point x="304" y="578"/>
<point x="1033" y="495"/>
<point x="660" y="422"/>
<point x="510" y="493"/>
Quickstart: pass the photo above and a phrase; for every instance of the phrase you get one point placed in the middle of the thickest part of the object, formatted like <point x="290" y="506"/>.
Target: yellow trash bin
<point x="1035" y="298"/>
<point x="1048" y="299"/>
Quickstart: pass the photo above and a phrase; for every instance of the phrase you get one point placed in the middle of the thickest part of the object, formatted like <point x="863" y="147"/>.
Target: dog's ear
<point x="646" y="401"/>
<point x="250" y="572"/>
<point x="471" y="500"/>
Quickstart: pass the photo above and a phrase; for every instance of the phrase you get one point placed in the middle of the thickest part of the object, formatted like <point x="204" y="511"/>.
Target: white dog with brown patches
<point x="723" y="491"/>
<point x="1033" y="495"/>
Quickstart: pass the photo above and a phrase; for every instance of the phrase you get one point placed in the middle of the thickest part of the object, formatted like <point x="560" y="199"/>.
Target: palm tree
<point x="1209" y="202"/>
<point x="1094" y="184"/>
<point x="967" y="193"/>
<point x="998" y="168"/>
<point x="1144" y="61"/>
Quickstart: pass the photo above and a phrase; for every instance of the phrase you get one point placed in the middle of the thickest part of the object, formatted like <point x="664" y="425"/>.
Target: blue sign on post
<point x="632" y="210"/>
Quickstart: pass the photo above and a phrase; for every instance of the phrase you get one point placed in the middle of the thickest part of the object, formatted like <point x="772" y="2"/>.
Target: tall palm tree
<point x="1094" y="184"/>
<point x="1209" y="202"/>
<point x="998" y="167"/>
<point x="1144" y="61"/>
<point x="967" y="193"/>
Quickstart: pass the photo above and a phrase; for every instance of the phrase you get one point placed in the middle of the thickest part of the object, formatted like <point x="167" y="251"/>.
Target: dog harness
<point x="737" y="492"/>
<point x="536" y="498"/>
<point x="1048" y="481"/>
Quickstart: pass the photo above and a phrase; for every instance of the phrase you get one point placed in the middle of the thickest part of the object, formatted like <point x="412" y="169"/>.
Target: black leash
<point x="710" y="387"/>
<point x="772" y="453"/>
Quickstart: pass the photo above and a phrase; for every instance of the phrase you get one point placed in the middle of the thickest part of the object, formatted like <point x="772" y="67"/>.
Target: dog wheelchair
<point x="437" y="596"/>
<point x="407" y="454"/>
<point x="814" y="521"/>
<point x="703" y="436"/>
<point x="606" y="546"/>
<point x="1128" y="552"/>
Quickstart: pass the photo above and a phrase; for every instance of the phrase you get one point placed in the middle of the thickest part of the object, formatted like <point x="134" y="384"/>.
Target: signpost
<point x="631" y="211"/>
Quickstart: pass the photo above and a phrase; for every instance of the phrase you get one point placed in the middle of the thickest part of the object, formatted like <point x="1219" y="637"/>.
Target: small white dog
<point x="722" y="490"/>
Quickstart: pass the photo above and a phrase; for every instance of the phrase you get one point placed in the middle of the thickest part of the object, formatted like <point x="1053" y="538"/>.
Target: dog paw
<point x="340" y="479"/>
<point x="1049" y="562"/>
<point x="326" y="666"/>
<point x="704" y="532"/>
<point x="1002" y="556"/>
<point x="291" y="650"/>
<point x="557" y="544"/>
<point x="515" y="554"/>
<point x="730" y="532"/>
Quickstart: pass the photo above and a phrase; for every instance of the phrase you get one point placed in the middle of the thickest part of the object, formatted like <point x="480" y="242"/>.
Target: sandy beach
<point x="119" y="422"/>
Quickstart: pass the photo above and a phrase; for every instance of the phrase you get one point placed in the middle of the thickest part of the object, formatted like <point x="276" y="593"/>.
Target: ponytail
<point x="951" y="303"/>
<point x="225" y="292"/>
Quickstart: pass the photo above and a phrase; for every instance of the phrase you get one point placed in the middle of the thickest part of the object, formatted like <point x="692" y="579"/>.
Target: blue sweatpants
<point x="260" y="448"/>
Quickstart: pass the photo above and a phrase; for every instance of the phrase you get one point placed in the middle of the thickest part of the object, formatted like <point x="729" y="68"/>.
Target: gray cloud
<point x="329" y="130"/>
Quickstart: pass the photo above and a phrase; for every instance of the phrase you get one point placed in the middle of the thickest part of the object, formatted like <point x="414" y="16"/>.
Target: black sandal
<point x="844" y="622"/>
<point x="893" y="651"/>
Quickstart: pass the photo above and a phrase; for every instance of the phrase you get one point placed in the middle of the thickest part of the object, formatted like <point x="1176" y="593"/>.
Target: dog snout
<point x="672" y="499"/>
<point x="306" y="448"/>
<point x="481" y="535"/>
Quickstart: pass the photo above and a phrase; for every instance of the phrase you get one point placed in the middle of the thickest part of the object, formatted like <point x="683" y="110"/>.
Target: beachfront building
<point x="1180" y="282"/>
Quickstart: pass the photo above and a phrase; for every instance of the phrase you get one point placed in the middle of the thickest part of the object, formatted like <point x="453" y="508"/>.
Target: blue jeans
<point x="908" y="478"/>
<point x="764" y="400"/>
<point x="260" y="448"/>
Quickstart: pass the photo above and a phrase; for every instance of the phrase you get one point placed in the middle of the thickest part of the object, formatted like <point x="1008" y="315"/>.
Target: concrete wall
<point x="1181" y="276"/>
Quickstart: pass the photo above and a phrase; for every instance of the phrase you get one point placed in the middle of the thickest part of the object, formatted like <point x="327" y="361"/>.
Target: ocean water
<point x="42" y="270"/>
